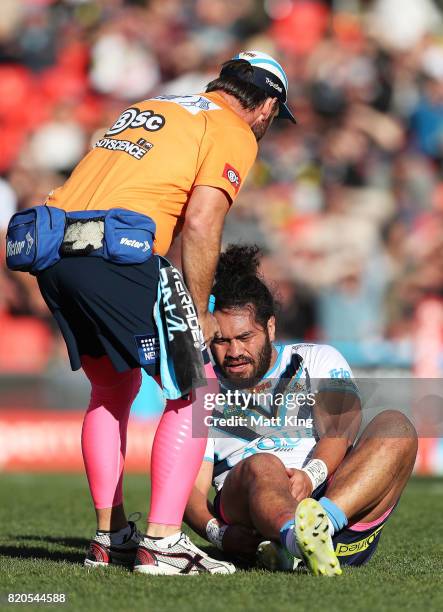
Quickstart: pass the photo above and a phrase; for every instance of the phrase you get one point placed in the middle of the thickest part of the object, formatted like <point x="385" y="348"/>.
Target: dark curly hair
<point x="238" y="284"/>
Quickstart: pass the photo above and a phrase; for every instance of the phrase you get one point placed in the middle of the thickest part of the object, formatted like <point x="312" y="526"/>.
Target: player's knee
<point x="101" y="372"/>
<point x="259" y="465"/>
<point x="116" y="393"/>
<point x="393" y="424"/>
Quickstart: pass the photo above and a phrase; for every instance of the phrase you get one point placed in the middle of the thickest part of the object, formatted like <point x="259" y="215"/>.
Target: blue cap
<point x="269" y="76"/>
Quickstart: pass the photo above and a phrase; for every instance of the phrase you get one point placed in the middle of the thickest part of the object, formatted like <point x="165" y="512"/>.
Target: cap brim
<point x="285" y="113"/>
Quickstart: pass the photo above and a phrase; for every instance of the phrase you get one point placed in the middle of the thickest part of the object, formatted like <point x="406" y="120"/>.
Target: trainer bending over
<point x="178" y="161"/>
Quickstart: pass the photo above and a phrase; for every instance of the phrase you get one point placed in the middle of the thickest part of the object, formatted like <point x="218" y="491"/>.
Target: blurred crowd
<point x="347" y="205"/>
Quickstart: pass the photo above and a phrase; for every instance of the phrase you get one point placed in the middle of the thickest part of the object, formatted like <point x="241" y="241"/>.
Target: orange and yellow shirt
<point x="155" y="153"/>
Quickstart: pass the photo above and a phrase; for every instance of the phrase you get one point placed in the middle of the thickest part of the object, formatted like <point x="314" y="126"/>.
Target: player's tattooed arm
<point x="337" y="418"/>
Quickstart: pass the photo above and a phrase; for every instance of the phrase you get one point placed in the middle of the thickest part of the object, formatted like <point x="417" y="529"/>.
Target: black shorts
<point x="353" y="545"/>
<point x="105" y="308"/>
<point x="356" y="544"/>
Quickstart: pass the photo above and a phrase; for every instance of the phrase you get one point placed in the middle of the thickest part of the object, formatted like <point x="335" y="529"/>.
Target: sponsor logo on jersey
<point x="345" y="549"/>
<point x="232" y="175"/>
<point x="137" y="151"/>
<point x="193" y="104"/>
<point x="339" y="373"/>
<point x="229" y="411"/>
<point x="262" y="387"/>
<point x="133" y="118"/>
<point x="271" y="444"/>
<point x="145" y="144"/>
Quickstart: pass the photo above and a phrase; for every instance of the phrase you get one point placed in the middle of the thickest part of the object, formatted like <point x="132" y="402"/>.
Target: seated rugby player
<point x="294" y="484"/>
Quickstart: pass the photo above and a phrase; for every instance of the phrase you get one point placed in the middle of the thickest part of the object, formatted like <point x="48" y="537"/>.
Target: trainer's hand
<point x="241" y="541"/>
<point x="209" y="326"/>
<point x="300" y="485"/>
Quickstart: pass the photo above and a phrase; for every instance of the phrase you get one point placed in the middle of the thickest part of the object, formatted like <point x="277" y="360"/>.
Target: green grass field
<point x="46" y="523"/>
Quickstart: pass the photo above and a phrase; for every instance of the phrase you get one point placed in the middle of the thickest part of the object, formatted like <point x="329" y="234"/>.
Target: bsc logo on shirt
<point x="233" y="176"/>
<point x="135" y="118"/>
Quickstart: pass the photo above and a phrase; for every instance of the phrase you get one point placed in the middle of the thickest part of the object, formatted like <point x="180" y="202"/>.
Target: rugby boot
<point x="311" y="531"/>
<point x="275" y="558"/>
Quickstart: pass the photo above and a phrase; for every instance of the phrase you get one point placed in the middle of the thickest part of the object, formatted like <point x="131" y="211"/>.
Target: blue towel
<point x="169" y="383"/>
<point x="180" y="337"/>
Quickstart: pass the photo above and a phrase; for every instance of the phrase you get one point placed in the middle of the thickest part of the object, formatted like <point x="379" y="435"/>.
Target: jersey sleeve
<point x="209" y="451"/>
<point x="330" y="371"/>
<point x="225" y="158"/>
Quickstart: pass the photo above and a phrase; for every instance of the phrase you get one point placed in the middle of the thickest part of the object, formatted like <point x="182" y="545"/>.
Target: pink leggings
<point x="176" y="456"/>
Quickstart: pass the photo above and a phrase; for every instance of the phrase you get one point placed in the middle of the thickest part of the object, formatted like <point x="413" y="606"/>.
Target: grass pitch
<point x="47" y="521"/>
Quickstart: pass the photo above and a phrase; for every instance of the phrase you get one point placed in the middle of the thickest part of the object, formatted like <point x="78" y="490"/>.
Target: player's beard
<point x="260" y="365"/>
<point x="259" y="128"/>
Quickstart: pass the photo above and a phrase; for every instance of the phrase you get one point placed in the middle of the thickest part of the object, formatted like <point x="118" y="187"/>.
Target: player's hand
<point x="241" y="541"/>
<point x="300" y="485"/>
<point x="209" y="326"/>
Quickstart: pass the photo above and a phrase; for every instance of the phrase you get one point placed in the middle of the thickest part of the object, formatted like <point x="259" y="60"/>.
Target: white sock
<point x="331" y="527"/>
<point x="167" y="540"/>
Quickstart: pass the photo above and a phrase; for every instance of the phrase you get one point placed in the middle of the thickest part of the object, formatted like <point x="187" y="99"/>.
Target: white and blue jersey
<point x="282" y="422"/>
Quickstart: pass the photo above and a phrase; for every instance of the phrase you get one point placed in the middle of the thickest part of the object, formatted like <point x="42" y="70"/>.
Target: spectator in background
<point x="343" y="205"/>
